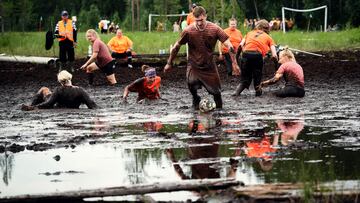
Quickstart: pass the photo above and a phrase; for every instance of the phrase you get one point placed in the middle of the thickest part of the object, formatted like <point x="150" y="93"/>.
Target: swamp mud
<point x="255" y="140"/>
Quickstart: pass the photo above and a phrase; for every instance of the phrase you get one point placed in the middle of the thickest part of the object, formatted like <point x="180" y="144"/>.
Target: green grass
<point x="33" y="43"/>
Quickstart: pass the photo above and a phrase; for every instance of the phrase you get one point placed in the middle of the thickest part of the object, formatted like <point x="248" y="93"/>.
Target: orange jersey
<point x="152" y="90"/>
<point x="120" y="45"/>
<point x="258" y="40"/>
<point x="235" y="38"/>
<point x="190" y="18"/>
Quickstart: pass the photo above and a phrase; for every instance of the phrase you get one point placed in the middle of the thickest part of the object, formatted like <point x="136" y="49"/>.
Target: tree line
<point x="132" y="15"/>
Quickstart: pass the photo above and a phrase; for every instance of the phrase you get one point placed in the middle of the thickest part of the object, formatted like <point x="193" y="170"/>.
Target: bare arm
<point x="271" y="81"/>
<point x="91" y="59"/>
<point x="273" y="52"/>
<point x="126" y="92"/>
<point x="50" y="102"/>
<point x="232" y="53"/>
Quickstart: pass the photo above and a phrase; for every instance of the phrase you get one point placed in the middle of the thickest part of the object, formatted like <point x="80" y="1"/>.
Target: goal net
<point x="168" y="15"/>
<point x="303" y="11"/>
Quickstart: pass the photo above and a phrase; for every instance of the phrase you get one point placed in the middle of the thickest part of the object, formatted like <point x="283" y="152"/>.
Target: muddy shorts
<point x="290" y="91"/>
<point x="108" y="69"/>
<point x="206" y="77"/>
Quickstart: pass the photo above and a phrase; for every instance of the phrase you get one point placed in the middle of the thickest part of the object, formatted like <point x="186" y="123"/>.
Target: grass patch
<point x="33" y="43"/>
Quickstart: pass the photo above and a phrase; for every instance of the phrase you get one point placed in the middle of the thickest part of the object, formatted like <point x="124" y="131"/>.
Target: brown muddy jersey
<point x="202" y="43"/>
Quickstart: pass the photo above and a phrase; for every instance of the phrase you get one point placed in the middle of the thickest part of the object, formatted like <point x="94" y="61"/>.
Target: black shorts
<point x="108" y="69"/>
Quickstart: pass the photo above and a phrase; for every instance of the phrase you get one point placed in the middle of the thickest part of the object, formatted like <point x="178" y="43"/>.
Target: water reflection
<point x="290" y="130"/>
<point x="207" y="146"/>
<point x="262" y="148"/>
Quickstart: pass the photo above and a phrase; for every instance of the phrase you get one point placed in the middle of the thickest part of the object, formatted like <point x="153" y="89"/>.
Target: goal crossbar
<point x="304" y="10"/>
<point x="168" y="15"/>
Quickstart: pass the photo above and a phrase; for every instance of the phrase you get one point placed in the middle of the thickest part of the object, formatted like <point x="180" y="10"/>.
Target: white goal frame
<point x="303" y="11"/>
<point x="168" y="15"/>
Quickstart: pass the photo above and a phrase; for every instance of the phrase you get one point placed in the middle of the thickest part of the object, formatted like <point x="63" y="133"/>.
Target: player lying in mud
<point x="65" y="96"/>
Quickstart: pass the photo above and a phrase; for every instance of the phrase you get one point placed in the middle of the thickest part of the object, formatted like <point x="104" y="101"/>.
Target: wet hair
<point x="286" y="52"/>
<point x="144" y="68"/>
<point x="92" y="31"/>
<point x="64" y="77"/>
<point x="198" y="11"/>
<point x="262" y="25"/>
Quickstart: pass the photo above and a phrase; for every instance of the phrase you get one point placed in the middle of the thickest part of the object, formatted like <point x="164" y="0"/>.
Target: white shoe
<point x="130" y="66"/>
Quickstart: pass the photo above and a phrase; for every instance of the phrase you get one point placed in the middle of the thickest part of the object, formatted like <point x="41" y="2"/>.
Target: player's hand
<point x="235" y="69"/>
<point x="25" y="107"/>
<point x="167" y="68"/>
<point x="221" y="57"/>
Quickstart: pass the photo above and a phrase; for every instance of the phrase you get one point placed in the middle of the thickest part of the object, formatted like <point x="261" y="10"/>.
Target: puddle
<point x="269" y="151"/>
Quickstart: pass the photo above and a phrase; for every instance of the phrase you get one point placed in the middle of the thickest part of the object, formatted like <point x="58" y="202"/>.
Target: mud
<point x="332" y="83"/>
<point x="330" y="112"/>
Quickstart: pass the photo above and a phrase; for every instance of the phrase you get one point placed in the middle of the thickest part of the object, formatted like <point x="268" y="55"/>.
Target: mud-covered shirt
<point x="202" y="43"/>
<point x="104" y="56"/>
<point x="68" y="97"/>
<point x="292" y="73"/>
<point x="146" y="90"/>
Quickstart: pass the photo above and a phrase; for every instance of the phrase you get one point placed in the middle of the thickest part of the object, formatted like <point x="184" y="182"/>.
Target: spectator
<point x="66" y="32"/>
<point x="121" y="47"/>
<point x="176" y="27"/>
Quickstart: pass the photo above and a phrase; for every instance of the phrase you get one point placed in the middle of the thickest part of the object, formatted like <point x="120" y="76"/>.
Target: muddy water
<point x="253" y="139"/>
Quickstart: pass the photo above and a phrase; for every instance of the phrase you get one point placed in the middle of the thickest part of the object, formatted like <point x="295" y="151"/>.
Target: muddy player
<point x="100" y="59"/>
<point x="292" y="73"/>
<point x="201" y="37"/>
<point x="255" y="46"/>
<point x="147" y="87"/>
<point x="65" y="96"/>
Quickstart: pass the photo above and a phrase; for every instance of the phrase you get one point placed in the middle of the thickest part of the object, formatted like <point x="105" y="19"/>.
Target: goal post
<point x="303" y="11"/>
<point x="168" y="15"/>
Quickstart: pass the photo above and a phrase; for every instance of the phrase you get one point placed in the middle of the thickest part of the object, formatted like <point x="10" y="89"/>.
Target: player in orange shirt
<point x="147" y="87"/>
<point x="121" y="47"/>
<point x="190" y="18"/>
<point x="235" y="38"/>
<point x="255" y="46"/>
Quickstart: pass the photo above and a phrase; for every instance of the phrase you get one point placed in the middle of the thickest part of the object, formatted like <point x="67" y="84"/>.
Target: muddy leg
<point x="196" y="97"/>
<point x="239" y="89"/>
<point x="218" y="101"/>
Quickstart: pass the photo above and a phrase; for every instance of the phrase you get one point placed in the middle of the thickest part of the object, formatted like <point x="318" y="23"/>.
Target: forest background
<point x="132" y="15"/>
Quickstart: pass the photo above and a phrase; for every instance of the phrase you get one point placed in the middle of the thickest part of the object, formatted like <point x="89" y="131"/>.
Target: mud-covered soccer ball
<point x="206" y="105"/>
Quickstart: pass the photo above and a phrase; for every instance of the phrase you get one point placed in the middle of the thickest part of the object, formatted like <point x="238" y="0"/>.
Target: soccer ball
<point x="206" y="105"/>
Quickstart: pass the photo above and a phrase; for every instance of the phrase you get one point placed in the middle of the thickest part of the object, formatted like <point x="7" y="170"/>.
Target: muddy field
<point x="162" y="132"/>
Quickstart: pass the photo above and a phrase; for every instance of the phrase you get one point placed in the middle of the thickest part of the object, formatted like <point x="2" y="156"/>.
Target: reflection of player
<point x="262" y="149"/>
<point x="152" y="126"/>
<point x="201" y="147"/>
<point x="290" y="130"/>
<point x="203" y="123"/>
<point x="100" y="127"/>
